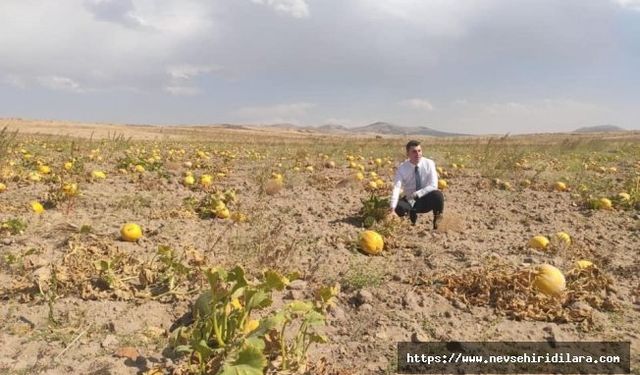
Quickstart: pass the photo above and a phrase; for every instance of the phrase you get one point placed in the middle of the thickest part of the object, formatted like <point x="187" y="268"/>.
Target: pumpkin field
<point x="231" y="249"/>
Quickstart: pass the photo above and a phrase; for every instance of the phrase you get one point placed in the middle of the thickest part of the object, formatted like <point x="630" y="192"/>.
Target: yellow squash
<point x="549" y="280"/>
<point x="371" y="242"/>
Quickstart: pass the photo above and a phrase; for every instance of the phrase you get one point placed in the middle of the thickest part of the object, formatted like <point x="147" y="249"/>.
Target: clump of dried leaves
<point x="508" y="289"/>
<point x="94" y="268"/>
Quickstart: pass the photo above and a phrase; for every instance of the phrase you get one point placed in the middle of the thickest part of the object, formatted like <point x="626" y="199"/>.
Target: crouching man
<point x="418" y="178"/>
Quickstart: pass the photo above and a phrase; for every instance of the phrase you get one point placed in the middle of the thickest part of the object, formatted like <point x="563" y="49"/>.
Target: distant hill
<point x="284" y="126"/>
<point x="391" y="129"/>
<point x="331" y="127"/>
<point x="379" y="128"/>
<point x="234" y="126"/>
<point x="374" y="128"/>
<point x="289" y="127"/>
<point x="599" y="129"/>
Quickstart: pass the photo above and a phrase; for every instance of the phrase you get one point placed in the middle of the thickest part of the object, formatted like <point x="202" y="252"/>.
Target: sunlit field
<point x="207" y="250"/>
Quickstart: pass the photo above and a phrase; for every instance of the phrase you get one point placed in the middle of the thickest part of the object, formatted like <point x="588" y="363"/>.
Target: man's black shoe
<point x="437" y="218"/>
<point x="413" y="216"/>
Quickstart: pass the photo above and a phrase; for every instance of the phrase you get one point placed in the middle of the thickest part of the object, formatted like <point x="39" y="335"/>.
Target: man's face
<point x="414" y="154"/>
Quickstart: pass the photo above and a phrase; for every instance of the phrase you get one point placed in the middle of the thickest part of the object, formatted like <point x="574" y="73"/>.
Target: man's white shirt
<point x="406" y="180"/>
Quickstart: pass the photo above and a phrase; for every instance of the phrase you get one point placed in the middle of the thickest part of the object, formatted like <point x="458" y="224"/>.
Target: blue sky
<point x="464" y="66"/>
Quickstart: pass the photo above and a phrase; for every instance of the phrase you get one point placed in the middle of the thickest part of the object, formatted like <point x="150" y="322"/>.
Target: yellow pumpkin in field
<point x="70" y="189"/>
<point x="563" y="237"/>
<point x="98" y="175"/>
<point x="624" y="197"/>
<point x="37" y="207"/>
<point x="605" y="203"/>
<point x="34" y="176"/>
<point x="583" y="264"/>
<point x="189" y="180"/>
<point x="44" y="169"/>
<point x="549" y="280"/>
<point x="3" y="187"/>
<point x="539" y="242"/>
<point x="218" y="205"/>
<point x="222" y="213"/>
<point x="131" y="232"/>
<point x="206" y="180"/>
<point x="560" y="186"/>
<point x="371" y="242"/>
<point x="442" y="184"/>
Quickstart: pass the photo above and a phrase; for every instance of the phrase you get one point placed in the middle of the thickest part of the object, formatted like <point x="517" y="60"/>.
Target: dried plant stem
<point x="73" y="342"/>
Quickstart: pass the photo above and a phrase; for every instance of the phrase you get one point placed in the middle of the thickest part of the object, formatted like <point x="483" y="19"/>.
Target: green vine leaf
<point x="250" y="361"/>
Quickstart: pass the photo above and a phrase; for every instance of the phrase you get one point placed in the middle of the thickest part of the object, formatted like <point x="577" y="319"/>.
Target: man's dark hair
<point x="412" y="143"/>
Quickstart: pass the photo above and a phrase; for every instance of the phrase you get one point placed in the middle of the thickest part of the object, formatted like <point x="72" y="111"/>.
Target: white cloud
<point x="117" y="11"/>
<point x="76" y="41"/>
<point x="434" y="17"/>
<point x="189" y="71"/>
<point x="181" y="77"/>
<point x="629" y="4"/>
<point x="293" y="8"/>
<point x="182" y="90"/>
<point x="59" y="83"/>
<point x="417" y="103"/>
<point x="280" y="112"/>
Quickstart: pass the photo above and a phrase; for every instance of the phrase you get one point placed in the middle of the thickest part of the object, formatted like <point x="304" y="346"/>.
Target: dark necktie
<point x="417" y="172"/>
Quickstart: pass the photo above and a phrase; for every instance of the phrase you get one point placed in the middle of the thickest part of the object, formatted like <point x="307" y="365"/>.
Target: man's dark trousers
<point x="433" y="201"/>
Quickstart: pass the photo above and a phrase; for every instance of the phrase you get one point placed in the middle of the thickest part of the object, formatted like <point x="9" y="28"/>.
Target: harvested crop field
<point x="272" y="232"/>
